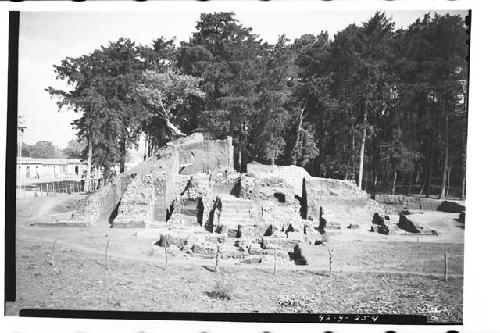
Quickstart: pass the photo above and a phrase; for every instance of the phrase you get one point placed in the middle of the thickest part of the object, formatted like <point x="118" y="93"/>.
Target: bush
<point x="222" y="290"/>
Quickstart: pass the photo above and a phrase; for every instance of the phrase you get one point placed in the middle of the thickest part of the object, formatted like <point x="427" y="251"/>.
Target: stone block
<point x="252" y="260"/>
<point x="129" y="224"/>
<point x="451" y="207"/>
<point x="295" y="236"/>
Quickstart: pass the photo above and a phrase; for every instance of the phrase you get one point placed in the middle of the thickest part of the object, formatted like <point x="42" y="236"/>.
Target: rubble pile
<point x="337" y="203"/>
<point x="410" y="225"/>
<point x="385" y="224"/>
<point x="190" y="189"/>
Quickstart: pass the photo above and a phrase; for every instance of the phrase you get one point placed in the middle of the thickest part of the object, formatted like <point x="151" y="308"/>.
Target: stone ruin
<point x="190" y="188"/>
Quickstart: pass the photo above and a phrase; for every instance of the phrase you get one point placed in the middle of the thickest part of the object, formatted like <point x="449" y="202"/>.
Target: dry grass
<point x="379" y="277"/>
<point x="79" y="281"/>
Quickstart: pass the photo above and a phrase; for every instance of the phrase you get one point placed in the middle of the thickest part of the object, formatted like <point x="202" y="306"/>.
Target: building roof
<point x="48" y="161"/>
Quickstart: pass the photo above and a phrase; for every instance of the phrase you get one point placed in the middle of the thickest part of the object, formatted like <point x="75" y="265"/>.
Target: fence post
<point x="52" y="261"/>
<point x="106" y="256"/>
<point x="446" y="266"/>
<point x="217" y="259"/>
<point x="275" y="261"/>
<point x="166" y="256"/>
<point x="330" y="252"/>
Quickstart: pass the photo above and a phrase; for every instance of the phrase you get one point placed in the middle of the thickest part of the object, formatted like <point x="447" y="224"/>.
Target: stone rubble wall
<point x="100" y="205"/>
<point x="290" y="174"/>
<point x="204" y="156"/>
<point x="338" y="203"/>
<point x="138" y="204"/>
<point x="397" y="203"/>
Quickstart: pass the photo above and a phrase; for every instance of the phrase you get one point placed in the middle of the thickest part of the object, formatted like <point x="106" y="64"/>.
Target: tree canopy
<point x="383" y="107"/>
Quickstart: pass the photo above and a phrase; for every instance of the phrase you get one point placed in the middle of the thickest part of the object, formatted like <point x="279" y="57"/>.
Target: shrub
<point x="222" y="290"/>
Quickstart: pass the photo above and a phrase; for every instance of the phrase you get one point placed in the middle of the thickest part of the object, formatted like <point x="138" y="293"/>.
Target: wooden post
<point x="217" y="259"/>
<point x="166" y="256"/>
<point x="275" y="261"/>
<point x="52" y="261"/>
<point x="330" y="252"/>
<point x="445" y="266"/>
<point x="106" y="256"/>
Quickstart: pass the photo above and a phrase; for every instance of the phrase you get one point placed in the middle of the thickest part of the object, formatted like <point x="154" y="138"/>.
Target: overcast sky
<point x="48" y="37"/>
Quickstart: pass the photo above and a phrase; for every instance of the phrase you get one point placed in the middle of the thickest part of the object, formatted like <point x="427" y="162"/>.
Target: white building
<point x="49" y="169"/>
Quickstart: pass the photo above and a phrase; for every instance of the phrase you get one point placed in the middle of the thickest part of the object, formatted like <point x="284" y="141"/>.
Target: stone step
<point x="237" y="204"/>
<point x="235" y="211"/>
<point x="235" y="200"/>
<point x="235" y="216"/>
<point x="234" y="221"/>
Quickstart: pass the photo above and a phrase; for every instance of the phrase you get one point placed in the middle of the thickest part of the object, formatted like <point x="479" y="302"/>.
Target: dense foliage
<point x="386" y="108"/>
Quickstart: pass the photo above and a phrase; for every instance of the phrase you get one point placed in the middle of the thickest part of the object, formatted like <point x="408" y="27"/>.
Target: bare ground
<point x="372" y="273"/>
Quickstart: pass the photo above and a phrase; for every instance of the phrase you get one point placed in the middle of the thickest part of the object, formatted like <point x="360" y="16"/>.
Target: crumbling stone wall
<point x="290" y="174"/>
<point x="137" y="206"/>
<point x="337" y="203"/>
<point x="278" y="206"/>
<point x="193" y="199"/>
<point x="397" y="203"/>
<point x="267" y="188"/>
<point x="204" y="156"/>
<point x="227" y="182"/>
<point x="99" y="206"/>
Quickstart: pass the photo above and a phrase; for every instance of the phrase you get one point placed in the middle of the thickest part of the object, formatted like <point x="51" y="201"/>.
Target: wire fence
<point x="331" y="263"/>
<point x="57" y="187"/>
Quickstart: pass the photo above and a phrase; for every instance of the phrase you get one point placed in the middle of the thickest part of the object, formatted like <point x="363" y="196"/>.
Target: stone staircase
<point x="235" y="211"/>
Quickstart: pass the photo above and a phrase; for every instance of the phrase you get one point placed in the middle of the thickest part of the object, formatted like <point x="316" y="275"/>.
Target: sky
<point x="46" y="38"/>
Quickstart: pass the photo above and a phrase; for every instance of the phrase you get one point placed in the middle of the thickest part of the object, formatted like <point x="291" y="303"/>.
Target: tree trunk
<point x="123" y="153"/>
<point x="297" y="139"/>
<point x="428" y="180"/>
<point x="394" y="182"/>
<point x="86" y="185"/>
<point x="445" y="166"/>
<point x="362" y="150"/>
<point x="448" y="181"/>
<point x="464" y="153"/>
<point x="410" y="178"/>
<point x="240" y="147"/>
<point x="353" y="157"/>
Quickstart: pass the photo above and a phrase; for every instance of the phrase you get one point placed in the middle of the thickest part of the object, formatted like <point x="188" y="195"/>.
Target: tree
<point x="42" y="149"/>
<point x="161" y="93"/>
<point x="275" y="89"/>
<point x="432" y="74"/>
<point x="75" y="149"/>
<point x="227" y="58"/>
<point x="82" y="75"/>
<point x="101" y="91"/>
